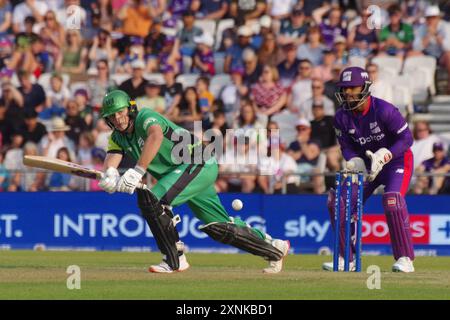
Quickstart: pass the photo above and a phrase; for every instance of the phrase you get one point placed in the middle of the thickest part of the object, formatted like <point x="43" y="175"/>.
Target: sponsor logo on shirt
<point x="373" y="125"/>
<point x="147" y="122"/>
<point x="376" y="130"/>
<point x="363" y="140"/>
<point x="351" y="131"/>
<point x="400" y="171"/>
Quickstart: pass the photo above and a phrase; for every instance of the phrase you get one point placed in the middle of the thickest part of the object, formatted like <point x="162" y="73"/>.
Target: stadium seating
<point x="221" y="27"/>
<point x="187" y="80"/>
<point x="218" y="82"/>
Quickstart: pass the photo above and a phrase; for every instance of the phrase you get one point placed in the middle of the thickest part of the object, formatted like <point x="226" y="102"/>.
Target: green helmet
<point x="114" y="101"/>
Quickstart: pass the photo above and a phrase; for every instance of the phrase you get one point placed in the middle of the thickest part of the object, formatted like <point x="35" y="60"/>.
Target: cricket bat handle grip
<point x="141" y="185"/>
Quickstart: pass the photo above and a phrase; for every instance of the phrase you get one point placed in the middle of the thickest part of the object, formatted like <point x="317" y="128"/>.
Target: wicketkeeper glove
<point x="378" y="160"/>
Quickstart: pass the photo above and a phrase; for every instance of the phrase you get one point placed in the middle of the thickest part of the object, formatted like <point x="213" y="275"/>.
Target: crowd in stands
<point x="228" y="64"/>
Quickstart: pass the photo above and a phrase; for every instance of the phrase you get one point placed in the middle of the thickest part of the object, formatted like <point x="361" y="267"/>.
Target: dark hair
<point x="184" y="105"/>
<point x="66" y="150"/>
<point x="305" y="61"/>
<point x="205" y="80"/>
<point x="247" y="102"/>
<point x="393" y="9"/>
<point x="30" y="19"/>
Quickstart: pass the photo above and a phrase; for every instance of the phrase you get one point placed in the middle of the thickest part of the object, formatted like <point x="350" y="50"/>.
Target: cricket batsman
<point x="151" y="140"/>
<point x="375" y="138"/>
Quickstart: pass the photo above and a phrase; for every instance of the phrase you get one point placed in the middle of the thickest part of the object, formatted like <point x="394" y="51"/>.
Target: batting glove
<point x="130" y="180"/>
<point x="109" y="180"/>
<point x="378" y="160"/>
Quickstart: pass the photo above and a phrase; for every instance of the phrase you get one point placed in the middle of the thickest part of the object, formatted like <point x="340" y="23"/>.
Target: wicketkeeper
<point x="150" y="139"/>
<point x="374" y="135"/>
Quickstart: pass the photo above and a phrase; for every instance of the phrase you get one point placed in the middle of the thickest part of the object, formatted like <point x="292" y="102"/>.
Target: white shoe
<point x="403" y="264"/>
<point x="276" y="266"/>
<point x="163" y="267"/>
<point x="328" y="266"/>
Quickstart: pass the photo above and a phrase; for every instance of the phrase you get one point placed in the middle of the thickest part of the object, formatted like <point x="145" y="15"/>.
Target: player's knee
<point x="148" y="203"/>
<point x="393" y="201"/>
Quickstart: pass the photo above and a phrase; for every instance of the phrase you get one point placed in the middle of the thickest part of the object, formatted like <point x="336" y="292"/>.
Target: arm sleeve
<point x="398" y="129"/>
<point x="113" y="147"/>
<point x="347" y="148"/>
<point x="147" y="118"/>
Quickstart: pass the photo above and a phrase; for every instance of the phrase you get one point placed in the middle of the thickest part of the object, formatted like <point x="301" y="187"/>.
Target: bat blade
<point x="61" y="166"/>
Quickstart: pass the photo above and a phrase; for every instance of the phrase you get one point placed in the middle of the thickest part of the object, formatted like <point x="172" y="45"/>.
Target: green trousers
<point x="194" y="184"/>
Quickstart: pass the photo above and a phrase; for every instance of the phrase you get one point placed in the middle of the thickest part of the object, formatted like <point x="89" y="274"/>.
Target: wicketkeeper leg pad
<point x="397" y="218"/>
<point x="242" y="238"/>
<point x="161" y="223"/>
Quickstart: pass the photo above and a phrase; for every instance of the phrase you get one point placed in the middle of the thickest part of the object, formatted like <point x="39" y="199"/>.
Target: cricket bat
<point x="65" y="167"/>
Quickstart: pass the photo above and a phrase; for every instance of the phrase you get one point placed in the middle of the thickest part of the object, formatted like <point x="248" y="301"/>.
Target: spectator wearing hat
<point x="36" y="8"/>
<point x="289" y="66"/>
<point x="135" y="86"/>
<point x="265" y="28"/>
<point x="204" y="56"/>
<point x="56" y="138"/>
<point x="135" y="17"/>
<point x="340" y="51"/>
<point x="170" y="55"/>
<point x="13" y="101"/>
<point x="171" y="90"/>
<point x="438" y="164"/>
<point x="32" y="130"/>
<point x="293" y="28"/>
<point x="152" y="99"/>
<point x="318" y="97"/>
<point x="75" y="121"/>
<point x="233" y="57"/>
<point x="362" y="40"/>
<point x="301" y="87"/>
<point x="305" y="152"/>
<point x="397" y="37"/>
<point x="73" y="57"/>
<point x="324" y="70"/>
<point x="212" y="9"/>
<point x="244" y="11"/>
<point x="33" y="94"/>
<point x="252" y="67"/>
<point x="269" y="95"/>
<point x="232" y="94"/>
<point x="5" y="16"/>
<point x="188" y="33"/>
<point x="313" y="48"/>
<point x="331" y="27"/>
<point x="433" y="38"/>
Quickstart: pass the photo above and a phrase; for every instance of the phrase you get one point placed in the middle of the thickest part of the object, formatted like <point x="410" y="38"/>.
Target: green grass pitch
<point x="124" y="275"/>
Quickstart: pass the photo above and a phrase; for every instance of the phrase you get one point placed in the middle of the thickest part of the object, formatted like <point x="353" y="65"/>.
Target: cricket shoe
<point x="163" y="267"/>
<point x="403" y="264"/>
<point x="328" y="266"/>
<point x="276" y="266"/>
